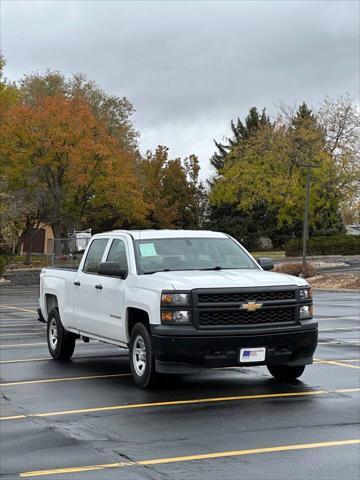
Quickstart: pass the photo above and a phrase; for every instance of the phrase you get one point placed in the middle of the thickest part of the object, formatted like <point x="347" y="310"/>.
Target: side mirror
<point x="266" y="263"/>
<point x="112" y="269"/>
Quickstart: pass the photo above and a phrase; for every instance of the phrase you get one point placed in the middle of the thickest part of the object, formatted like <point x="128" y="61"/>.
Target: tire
<point x="286" y="372"/>
<point x="61" y="343"/>
<point x="142" y="362"/>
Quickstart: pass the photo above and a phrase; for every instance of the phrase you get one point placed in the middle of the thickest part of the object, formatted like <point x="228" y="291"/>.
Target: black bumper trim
<point x="178" y="354"/>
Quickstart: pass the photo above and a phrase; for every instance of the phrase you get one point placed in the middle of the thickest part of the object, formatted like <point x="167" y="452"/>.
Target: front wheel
<point x="286" y="372"/>
<point x="142" y="361"/>
<point x="61" y="343"/>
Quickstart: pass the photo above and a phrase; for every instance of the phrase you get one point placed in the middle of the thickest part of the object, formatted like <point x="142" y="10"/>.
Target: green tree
<point x="269" y="168"/>
<point x="227" y="216"/>
<point x="240" y="132"/>
<point x="9" y="93"/>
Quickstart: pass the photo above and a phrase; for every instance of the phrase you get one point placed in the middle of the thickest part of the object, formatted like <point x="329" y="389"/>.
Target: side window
<point x="117" y="253"/>
<point x="94" y="255"/>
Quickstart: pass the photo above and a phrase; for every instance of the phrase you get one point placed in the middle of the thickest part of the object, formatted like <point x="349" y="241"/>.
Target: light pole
<point x="306" y="215"/>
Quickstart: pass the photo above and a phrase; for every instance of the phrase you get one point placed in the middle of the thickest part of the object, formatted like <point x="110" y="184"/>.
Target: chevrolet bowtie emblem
<point x="251" y="306"/>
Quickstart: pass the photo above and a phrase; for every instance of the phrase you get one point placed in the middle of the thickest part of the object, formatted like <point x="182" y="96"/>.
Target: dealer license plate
<point x="249" y="355"/>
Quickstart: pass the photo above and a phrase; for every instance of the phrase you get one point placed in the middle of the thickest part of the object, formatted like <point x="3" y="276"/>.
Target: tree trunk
<point x="17" y="246"/>
<point x="27" y="243"/>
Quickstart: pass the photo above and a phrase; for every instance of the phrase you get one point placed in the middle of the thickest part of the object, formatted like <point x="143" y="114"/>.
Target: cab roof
<point x="166" y="233"/>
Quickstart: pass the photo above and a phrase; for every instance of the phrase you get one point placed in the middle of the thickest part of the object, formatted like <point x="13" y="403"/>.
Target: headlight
<point x="306" y="311"/>
<point x="305" y="293"/>
<point x="176" y="317"/>
<point x="176" y="299"/>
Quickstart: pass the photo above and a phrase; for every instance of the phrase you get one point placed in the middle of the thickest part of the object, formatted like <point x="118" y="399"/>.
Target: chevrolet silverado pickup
<point x="180" y="300"/>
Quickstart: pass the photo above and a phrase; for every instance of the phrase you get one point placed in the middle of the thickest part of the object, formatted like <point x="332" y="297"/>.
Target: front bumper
<point x="184" y="353"/>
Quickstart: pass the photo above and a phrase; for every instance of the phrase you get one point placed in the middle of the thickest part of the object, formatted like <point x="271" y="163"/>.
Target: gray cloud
<point x="189" y="67"/>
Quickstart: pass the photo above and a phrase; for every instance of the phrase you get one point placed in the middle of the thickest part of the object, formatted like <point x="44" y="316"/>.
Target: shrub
<point x="296" y="269"/>
<point x="337" y="245"/>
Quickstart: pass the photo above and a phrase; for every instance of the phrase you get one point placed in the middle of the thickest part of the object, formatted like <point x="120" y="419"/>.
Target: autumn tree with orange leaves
<point x="64" y="158"/>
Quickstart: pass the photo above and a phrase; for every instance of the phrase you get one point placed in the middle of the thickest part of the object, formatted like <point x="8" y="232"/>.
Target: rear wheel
<point x="286" y="372"/>
<point x="61" y="343"/>
<point x="142" y="361"/>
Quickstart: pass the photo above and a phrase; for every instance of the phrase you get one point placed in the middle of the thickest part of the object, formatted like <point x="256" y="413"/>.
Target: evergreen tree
<point x="240" y="131"/>
<point x="226" y="216"/>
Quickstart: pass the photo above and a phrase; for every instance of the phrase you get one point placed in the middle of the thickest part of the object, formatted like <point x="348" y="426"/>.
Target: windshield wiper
<point x="211" y="268"/>
<point x="216" y="267"/>
<point x="157" y="271"/>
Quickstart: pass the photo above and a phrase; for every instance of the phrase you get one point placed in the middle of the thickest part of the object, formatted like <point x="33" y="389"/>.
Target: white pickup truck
<point x="180" y="300"/>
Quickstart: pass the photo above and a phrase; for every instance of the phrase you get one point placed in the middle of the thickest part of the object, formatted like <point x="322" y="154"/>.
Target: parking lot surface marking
<point x="18" y="308"/>
<point x="179" y="402"/>
<point x="65" y="379"/>
<point x="20" y="334"/>
<point x="22" y="345"/>
<point x="336" y="329"/>
<point x="325" y="360"/>
<point x="18" y="325"/>
<point x="114" y="375"/>
<point x="15" y="320"/>
<point x="347" y="390"/>
<point x="189" y="458"/>
<point x="101" y="421"/>
<point x="340" y="364"/>
<point x="25" y="360"/>
<point x="44" y="359"/>
<point x="317" y="361"/>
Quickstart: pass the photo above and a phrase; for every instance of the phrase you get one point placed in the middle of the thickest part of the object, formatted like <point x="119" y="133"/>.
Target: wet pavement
<point x="85" y="419"/>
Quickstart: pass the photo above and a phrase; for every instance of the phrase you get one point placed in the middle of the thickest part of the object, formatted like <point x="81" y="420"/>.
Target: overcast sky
<point x="189" y="67"/>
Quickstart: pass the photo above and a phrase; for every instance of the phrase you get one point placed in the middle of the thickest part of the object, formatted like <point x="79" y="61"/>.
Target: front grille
<point x="244" y="297"/>
<point x="221" y="318"/>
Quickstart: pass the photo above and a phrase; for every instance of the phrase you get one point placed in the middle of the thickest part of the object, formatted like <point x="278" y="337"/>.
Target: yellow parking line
<point x="18" y="308"/>
<point x="15" y="417"/>
<point x="27" y="326"/>
<point x="347" y="390"/>
<point x="5" y="346"/>
<point x="175" y="402"/>
<point x="322" y="360"/>
<point x="43" y="359"/>
<point x="189" y="458"/>
<point x="20" y="334"/>
<point x="317" y="361"/>
<point x="332" y="329"/>
<point x="22" y="360"/>
<point x="18" y="319"/>
<point x="340" y="364"/>
<point x="181" y="402"/>
<point x="64" y="379"/>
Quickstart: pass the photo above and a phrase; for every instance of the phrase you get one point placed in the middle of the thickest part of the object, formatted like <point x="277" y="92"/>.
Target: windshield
<point x="167" y="254"/>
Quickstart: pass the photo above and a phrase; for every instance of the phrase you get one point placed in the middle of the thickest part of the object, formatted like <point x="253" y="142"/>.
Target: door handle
<point x="77" y="284"/>
<point x="99" y="287"/>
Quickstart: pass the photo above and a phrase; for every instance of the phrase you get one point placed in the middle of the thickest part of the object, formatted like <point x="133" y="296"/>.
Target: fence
<point x="66" y="252"/>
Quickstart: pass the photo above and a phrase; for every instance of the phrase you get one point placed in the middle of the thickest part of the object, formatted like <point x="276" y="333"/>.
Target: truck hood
<point x="188" y="280"/>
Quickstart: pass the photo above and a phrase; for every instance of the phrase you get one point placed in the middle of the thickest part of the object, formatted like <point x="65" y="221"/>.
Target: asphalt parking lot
<point x="85" y="419"/>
